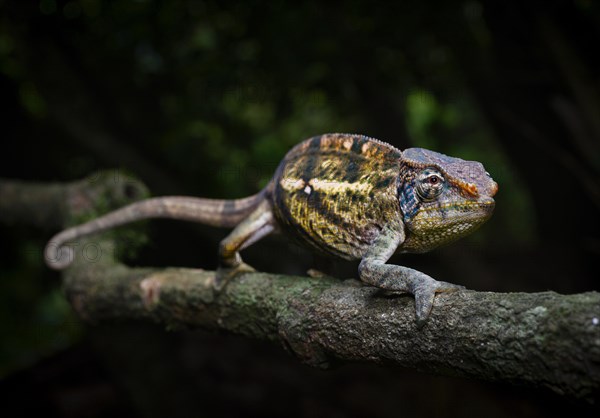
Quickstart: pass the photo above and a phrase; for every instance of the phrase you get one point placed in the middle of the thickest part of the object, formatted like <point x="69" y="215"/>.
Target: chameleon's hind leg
<point x="257" y="225"/>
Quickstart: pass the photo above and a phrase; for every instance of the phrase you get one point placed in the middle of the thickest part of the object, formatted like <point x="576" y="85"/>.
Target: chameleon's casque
<point x="348" y="196"/>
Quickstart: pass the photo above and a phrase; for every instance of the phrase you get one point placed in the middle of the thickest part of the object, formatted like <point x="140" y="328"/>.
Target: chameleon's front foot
<point x="225" y="274"/>
<point x="425" y="292"/>
<point x="403" y="279"/>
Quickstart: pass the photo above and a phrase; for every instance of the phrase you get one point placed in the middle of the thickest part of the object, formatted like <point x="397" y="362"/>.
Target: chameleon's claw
<point x="425" y="295"/>
<point x="316" y="274"/>
<point x="225" y="274"/>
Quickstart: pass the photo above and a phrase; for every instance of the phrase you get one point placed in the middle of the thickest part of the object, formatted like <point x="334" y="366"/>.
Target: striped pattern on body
<point x="333" y="192"/>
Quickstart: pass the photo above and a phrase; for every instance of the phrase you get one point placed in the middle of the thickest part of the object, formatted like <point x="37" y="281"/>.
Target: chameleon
<point x="343" y="195"/>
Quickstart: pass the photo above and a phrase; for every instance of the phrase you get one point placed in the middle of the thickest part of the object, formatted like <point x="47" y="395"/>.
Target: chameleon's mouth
<point x="485" y="204"/>
<point x="452" y="216"/>
<point x="479" y="211"/>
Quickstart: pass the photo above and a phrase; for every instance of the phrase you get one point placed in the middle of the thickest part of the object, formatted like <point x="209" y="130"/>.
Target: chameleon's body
<point x="336" y="192"/>
<point x="347" y="196"/>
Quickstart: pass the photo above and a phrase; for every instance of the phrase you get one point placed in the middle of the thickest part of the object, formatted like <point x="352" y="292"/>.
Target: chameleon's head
<point x="442" y="198"/>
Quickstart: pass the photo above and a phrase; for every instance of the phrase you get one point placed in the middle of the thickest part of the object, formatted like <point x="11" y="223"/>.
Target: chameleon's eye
<point x="430" y="184"/>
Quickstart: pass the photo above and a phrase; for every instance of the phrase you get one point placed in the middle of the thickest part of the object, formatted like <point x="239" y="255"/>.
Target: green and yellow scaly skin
<point x="343" y="195"/>
<point x="336" y="192"/>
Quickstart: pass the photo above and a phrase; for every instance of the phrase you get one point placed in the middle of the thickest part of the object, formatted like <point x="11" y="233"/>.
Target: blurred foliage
<point x="204" y="98"/>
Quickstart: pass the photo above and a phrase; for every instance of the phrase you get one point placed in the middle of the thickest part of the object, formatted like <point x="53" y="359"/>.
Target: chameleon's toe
<point x="225" y="274"/>
<point x="423" y="304"/>
<point x="425" y="295"/>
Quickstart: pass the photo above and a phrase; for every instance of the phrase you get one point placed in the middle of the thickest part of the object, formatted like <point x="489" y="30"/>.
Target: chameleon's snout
<point x="493" y="189"/>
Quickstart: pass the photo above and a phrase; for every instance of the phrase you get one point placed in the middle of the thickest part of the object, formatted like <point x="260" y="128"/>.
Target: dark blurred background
<point x="204" y="98"/>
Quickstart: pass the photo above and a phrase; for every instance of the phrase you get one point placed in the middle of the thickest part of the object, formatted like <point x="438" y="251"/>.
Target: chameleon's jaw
<point x="443" y="223"/>
<point x="483" y="208"/>
<point x="445" y="213"/>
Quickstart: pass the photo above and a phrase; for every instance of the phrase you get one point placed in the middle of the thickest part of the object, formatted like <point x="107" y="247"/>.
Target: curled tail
<point x="214" y="212"/>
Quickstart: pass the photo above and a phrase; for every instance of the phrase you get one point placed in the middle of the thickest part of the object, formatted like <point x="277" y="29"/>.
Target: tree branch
<point x="537" y="339"/>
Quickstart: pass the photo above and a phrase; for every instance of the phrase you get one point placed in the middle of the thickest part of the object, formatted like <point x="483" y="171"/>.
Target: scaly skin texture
<point x="347" y="196"/>
<point x="335" y="193"/>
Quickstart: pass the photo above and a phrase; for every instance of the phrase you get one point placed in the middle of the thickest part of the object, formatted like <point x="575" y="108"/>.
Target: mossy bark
<point x="536" y="339"/>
